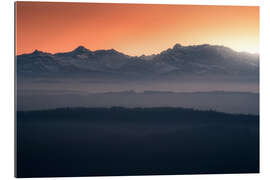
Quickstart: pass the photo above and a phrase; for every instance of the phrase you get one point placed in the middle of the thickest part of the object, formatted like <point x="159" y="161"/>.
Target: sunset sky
<point x="132" y="28"/>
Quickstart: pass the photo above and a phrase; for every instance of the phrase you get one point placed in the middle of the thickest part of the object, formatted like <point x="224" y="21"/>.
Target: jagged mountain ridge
<point x="176" y="62"/>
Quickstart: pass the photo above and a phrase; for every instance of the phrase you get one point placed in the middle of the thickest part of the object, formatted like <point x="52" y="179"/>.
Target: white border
<point x="7" y="86"/>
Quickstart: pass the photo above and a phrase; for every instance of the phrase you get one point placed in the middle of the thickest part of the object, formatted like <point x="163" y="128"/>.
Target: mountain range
<point x="178" y="62"/>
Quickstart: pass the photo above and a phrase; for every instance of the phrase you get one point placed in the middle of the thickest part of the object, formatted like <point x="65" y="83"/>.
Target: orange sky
<point x="132" y="28"/>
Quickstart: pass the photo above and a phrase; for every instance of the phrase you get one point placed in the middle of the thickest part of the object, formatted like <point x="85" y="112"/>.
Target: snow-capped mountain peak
<point x="174" y="62"/>
<point x="81" y="49"/>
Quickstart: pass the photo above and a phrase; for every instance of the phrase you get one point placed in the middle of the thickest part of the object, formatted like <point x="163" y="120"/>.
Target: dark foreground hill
<point x="135" y="141"/>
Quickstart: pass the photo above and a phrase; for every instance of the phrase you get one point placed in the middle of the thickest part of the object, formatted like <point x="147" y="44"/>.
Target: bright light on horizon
<point x="252" y="49"/>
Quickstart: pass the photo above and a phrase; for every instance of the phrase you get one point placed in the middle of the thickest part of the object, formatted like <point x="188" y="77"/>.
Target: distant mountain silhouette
<point x="173" y="63"/>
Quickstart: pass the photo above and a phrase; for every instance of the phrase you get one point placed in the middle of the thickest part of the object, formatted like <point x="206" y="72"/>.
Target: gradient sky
<point x="132" y="28"/>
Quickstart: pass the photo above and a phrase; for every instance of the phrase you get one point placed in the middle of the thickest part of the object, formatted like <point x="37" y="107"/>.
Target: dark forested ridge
<point x="135" y="141"/>
<point x="121" y="112"/>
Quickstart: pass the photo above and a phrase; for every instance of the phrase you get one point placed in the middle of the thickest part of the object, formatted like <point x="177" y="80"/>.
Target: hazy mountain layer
<point x="177" y="63"/>
<point x="230" y="102"/>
